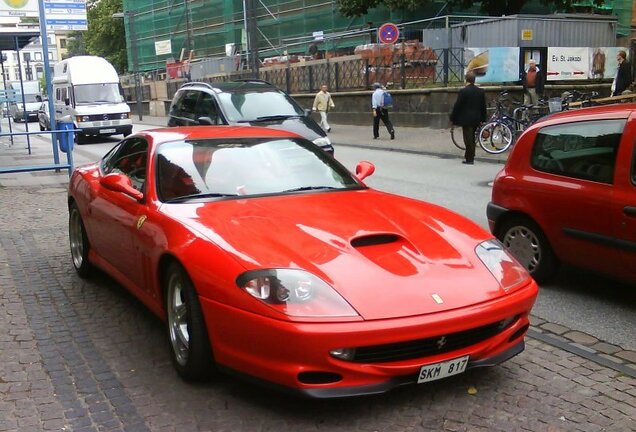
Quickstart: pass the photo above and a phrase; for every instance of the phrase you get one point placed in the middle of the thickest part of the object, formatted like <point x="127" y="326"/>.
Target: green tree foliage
<point x="106" y="36"/>
<point x="75" y="44"/>
<point x="352" y="8"/>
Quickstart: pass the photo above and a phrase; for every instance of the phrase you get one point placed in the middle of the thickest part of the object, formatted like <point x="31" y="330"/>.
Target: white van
<point x="92" y="88"/>
<point x="32" y="98"/>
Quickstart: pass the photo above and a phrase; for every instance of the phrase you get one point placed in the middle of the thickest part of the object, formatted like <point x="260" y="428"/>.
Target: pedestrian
<point x="323" y="103"/>
<point x="468" y="112"/>
<point x="380" y="112"/>
<point x="623" y="77"/>
<point x="533" y="83"/>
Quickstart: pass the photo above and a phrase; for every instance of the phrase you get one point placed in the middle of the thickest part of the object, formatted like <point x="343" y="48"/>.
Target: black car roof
<point x="232" y="86"/>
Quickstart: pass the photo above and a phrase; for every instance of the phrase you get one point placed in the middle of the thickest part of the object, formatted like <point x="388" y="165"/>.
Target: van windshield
<point x="97" y="93"/>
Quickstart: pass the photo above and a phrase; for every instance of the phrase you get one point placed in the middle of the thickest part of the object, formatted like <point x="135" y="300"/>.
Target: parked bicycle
<point x="502" y="130"/>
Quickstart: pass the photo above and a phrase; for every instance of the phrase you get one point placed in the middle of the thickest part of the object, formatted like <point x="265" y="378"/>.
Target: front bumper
<point x="89" y="129"/>
<point x="31" y="116"/>
<point x="283" y="353"/>
<point x="494" y="213"/>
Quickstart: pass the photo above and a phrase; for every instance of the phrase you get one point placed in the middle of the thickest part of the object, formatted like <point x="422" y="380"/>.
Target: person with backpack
<point x="380" y="103"/>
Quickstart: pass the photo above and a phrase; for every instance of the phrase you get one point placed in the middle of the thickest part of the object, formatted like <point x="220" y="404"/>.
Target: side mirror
<point x="307" y="112"/>
<point x="205" y="121"/>
<point x="364" y="169"/>
<point x="120" y="183"/>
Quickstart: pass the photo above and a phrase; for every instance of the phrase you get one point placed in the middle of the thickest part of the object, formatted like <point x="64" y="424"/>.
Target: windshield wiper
<point x="200" y="195"/>
<point x="276" y="117"/>
<point x="310" y="188"/>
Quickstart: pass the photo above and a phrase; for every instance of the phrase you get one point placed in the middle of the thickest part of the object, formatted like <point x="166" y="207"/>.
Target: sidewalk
<point x="424" y="140"/>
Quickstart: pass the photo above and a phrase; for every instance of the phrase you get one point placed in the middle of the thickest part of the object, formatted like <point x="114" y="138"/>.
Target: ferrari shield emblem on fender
<point x="141" y="221"/>
<point x="436" y="297"/>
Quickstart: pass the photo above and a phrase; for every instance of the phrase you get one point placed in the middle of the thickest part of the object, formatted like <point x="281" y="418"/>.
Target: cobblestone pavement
<point x="86" y="356"/>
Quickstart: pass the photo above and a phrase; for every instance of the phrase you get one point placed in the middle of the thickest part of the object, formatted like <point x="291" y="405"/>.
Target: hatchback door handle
<point x="629" y="211"/>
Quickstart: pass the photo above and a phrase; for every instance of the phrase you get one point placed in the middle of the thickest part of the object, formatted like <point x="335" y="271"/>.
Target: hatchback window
<point x="584" y="150"/>
<point x="249" y="106"/>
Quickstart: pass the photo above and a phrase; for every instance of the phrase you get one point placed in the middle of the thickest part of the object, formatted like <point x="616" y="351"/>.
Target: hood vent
<point x="374" y="240"/>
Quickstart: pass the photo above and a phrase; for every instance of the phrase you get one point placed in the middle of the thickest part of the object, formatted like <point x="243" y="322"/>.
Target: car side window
<point x="207" y="108"/>
<point x="130" y="159"/>
<point x="584" y="150"/>
<point x="186" y="106"/>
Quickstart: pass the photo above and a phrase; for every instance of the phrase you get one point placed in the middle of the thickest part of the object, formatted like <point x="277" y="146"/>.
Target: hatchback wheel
<point x="189" y="343"/>
<point x="78" y="242"/>
<point x="526" y="241"/>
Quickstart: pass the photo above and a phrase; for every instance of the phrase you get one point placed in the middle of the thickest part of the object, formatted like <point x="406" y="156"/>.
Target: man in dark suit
<point x="623" y="78"/>
<point x="468" y="112"/>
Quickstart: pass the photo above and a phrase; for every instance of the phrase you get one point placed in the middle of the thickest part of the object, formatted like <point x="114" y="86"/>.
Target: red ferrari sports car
<point x="266" y="257"/>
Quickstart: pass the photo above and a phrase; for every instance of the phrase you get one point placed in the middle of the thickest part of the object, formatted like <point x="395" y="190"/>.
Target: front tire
<point x="527" y="243"/>
<point x="495" y="137"/>
<point x="189" y="342"/>
<point x="78" y="242"/>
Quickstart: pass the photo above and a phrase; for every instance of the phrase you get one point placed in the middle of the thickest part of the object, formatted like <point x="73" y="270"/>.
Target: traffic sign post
<point x="388" y="33"/>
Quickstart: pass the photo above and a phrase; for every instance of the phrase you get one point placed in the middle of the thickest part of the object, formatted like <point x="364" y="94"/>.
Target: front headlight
<point x="322" y="141"/>
<point x="125" y="115"/>
<point x="295" y="293"/>
<point x="81" y="119"/>
<point x="503" y="266"/>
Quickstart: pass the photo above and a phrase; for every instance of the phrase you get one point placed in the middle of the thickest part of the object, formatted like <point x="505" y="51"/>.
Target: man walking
<point x="623" y="78"/>
<point x="380" y="112"/>
<point x="468" y="112"/>
<point x="323" y="103"/>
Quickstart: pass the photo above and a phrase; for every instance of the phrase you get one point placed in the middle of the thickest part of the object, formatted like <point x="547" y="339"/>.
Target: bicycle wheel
<point x="496" y="137"/>
<point x="457" y="138"/>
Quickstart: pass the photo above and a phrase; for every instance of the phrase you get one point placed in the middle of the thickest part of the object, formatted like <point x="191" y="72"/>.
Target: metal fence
<point x="396" y="68"/>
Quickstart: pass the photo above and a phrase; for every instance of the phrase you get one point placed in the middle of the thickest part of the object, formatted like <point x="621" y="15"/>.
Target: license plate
<point x="107" y="130"/>
<point x="441" y="370"/>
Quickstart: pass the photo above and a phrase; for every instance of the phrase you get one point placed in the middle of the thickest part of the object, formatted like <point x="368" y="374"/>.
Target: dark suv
<point x="250" y="102"/>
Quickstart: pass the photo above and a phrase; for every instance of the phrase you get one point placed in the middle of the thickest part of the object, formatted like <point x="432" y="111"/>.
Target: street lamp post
<point x="135" y="58"/>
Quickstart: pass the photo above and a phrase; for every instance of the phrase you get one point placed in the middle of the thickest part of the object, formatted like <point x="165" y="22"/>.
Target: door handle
<point x="629" y="211"/>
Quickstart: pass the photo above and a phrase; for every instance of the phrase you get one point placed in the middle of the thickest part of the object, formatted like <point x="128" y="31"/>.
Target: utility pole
<point x="252" y="36"/>
<point x="135" y="58"/>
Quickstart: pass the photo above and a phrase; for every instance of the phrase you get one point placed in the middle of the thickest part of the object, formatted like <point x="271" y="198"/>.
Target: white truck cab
<point x="92" y="88"/>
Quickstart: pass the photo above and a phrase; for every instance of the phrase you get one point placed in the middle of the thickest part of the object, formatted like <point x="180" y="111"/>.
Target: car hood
<point x="303" y="126"/>
<point x="388" y="256"/>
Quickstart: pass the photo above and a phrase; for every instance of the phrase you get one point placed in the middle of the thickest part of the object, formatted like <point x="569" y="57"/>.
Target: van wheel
<point x="80" y="138"/>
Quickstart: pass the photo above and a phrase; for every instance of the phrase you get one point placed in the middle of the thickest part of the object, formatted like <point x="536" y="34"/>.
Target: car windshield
<point x="243" y="167"/>
<point x="246" y="106"/>
<point x="97" y="94"/>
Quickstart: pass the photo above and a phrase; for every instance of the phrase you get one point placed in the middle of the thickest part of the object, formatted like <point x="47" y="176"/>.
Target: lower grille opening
<point x="519" y="333"/>
<point x="319" y="377"/>
<point x="431" y="346"/>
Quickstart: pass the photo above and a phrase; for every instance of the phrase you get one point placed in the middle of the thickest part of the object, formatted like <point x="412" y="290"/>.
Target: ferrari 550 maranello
<point x="268" y="258"/>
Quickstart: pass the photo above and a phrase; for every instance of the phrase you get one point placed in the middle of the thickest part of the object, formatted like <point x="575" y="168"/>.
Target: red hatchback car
<point x="266" y="257"/>
<point x="568" y="193"/>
